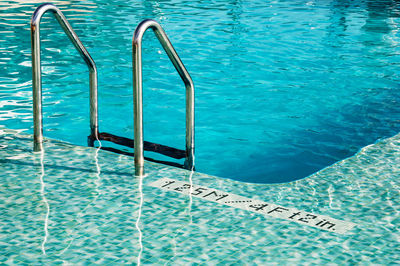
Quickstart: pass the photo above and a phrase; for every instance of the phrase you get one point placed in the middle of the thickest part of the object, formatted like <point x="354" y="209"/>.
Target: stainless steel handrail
<point x="37" y="73"/>
<point x="138" y="93"/>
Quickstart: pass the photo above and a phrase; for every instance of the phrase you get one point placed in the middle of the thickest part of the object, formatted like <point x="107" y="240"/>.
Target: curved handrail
<point x="37" y="73"/>
<point x="138" y="93"/>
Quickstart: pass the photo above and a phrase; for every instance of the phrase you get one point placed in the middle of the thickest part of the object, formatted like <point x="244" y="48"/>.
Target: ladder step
<point x="147" y="146"/>
<point x="148" y="159"/>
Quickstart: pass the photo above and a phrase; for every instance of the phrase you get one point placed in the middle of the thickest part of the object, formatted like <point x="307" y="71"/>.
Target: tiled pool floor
<point x="77" y="205"/>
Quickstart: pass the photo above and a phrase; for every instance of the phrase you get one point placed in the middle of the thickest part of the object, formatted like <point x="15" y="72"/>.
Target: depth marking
<point x="258" y="206"/>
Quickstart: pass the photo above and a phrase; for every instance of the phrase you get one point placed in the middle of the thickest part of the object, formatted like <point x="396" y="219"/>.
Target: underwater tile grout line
<point x="138" y="142"/>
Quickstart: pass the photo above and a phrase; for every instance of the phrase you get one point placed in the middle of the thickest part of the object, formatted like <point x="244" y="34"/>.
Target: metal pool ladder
<point x="138" y="142"/>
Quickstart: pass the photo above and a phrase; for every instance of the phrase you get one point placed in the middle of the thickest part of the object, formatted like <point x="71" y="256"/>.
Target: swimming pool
<point x="78" y="205"/>
<point x="71" y="204"/>
<point x="283" y="89"/>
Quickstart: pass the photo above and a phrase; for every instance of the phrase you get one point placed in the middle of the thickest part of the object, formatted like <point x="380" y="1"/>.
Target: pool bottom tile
<point x="80" y="206"/>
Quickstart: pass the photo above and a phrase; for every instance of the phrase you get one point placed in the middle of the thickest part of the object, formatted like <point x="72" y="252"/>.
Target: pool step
<point x="147" y="146"/>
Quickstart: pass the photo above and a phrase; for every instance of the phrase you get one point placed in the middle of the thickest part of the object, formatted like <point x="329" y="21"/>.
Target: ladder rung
<point x="147" y="146"/>
<point x="148" y="159"/>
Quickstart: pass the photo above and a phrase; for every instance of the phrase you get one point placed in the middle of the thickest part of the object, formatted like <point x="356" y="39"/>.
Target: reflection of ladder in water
<point x="137" y="143"/>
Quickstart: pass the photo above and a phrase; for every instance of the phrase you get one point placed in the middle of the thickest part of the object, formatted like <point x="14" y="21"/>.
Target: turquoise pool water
<point x="74" y="205"/>
<point x="283" y="89"/>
